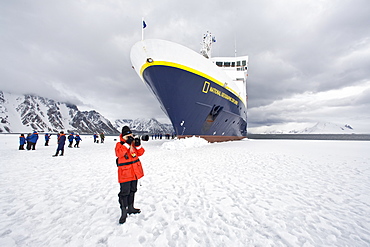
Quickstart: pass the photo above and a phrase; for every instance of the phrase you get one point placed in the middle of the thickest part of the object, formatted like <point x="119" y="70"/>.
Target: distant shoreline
<point x="338" y="137"/>
<point x="344" y="137"/>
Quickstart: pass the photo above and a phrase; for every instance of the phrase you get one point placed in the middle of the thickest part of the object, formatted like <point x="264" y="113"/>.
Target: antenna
<point x="235" y="44"/>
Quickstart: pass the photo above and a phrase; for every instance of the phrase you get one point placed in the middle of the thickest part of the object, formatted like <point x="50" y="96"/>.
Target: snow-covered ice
<point x="243" y="193"/>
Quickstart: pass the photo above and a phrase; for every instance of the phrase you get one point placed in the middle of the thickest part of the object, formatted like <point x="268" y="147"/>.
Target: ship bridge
<point x="236" y="68"/>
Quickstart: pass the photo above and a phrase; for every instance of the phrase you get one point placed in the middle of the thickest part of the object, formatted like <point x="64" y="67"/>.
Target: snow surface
<point x="242" y="193"/>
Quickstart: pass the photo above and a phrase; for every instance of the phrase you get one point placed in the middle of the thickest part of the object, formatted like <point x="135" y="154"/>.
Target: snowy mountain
<point x="25" y="113"/>
<point x="141" y="125"/>
<point x="318" y="128"/>
<point x="328" y="128"/>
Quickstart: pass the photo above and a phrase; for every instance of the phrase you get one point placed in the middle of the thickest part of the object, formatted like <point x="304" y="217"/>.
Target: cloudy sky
<point x="309" y="61"/>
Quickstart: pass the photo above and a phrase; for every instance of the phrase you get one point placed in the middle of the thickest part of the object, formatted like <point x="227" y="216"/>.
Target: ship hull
<point x="196" y="104"/>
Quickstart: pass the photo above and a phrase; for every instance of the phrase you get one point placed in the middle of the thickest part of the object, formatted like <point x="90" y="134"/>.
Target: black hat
<point x="126" y="130"/>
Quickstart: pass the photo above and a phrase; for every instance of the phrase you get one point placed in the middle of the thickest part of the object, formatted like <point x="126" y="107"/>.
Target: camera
<point x="143" y="137"/>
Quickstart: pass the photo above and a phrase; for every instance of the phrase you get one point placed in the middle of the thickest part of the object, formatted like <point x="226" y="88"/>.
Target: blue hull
<point x="196" y="105"/>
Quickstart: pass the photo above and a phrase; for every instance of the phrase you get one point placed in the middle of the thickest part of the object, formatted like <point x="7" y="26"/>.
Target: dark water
<point x="347" y="137"/>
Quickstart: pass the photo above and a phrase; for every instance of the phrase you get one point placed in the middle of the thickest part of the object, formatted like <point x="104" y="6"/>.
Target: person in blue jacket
<point x="61" y="142"/>
<point x="47" y="138"/>
<point x="70" y="139"/>
<point x="22" y="141"/>
<point x="77" y="139"/>
<point x="33" y="140"/>
<point x="28" y="147"/>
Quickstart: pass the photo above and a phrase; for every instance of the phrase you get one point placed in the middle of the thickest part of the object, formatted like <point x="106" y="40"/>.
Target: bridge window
<point x="233" y="64"/>
<point x="244" y="62"/>
<point x="238" y="63"/>
<point x="227" y="64"/>
<point x="219" y="64"/>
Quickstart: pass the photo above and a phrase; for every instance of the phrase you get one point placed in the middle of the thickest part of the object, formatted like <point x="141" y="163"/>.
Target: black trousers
<point x="62" y="153"/>
<point x="127" y="193"/>
<point x="31" y="145"/>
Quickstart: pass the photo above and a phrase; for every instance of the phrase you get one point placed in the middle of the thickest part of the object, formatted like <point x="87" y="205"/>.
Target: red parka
<point x="128" y="163"/>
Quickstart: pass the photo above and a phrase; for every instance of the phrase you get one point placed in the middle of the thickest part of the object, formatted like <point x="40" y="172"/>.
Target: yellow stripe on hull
<point x="191" y="70"/>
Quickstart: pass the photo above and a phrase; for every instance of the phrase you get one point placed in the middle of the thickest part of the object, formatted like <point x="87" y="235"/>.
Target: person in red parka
<point x="130" y="170"/>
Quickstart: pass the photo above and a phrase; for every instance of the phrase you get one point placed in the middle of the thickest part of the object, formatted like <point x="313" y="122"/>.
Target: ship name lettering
<point x="223" y="95"/>
<point x="215" y="91"/>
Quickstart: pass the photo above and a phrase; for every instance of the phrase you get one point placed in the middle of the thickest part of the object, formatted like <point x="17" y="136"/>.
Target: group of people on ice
<point x="31" y="140"/>
<point x="62" y="140"/>
<point x="160" y="135"/>
<point x="102" y="137"/>
<point x="72" y="137"/>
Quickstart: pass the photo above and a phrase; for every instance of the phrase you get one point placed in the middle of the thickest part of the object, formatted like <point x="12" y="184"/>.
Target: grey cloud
<point x="78" y="51"/>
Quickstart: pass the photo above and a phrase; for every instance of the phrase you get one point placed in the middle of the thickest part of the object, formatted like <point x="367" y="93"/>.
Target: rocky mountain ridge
<point x="142" y="125"/>
<point x="25" y="113"/>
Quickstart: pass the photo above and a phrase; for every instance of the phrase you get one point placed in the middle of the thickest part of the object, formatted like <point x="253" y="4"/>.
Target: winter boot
<point x="123" y="216"/>
<point x="123" y="209"/>
<point x="132" y="210"/>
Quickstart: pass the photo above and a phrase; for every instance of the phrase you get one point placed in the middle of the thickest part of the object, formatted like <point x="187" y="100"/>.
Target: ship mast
<point x="207" y="41"/>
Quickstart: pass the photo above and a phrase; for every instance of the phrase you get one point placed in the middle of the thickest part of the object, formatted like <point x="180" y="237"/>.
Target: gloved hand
<point x="137" y="142"/>
<point x="129" y="140"/>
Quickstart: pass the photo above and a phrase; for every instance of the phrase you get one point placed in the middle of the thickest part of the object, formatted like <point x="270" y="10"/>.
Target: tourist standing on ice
<point x="47" y="138"/>
<point x="32" y="141"/>
<point x="95" y="136"/>
<point x="130" y="170"/>
<point x="70" y="139"/>
<point x="102" y="137"/>
<point x="61" y="143"/>
<point x="28" y="141"/>
<point x="77" y="139"/>
<point x="22" y="141"/>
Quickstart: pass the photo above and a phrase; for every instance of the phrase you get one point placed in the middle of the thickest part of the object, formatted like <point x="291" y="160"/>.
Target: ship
<point x="202" y="95"/>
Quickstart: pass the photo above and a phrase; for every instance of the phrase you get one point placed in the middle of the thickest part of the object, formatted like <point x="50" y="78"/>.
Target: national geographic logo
<point x="207" y="88"/>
